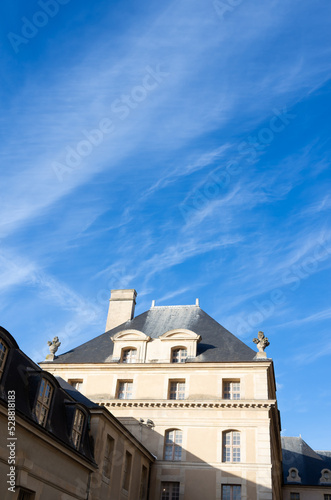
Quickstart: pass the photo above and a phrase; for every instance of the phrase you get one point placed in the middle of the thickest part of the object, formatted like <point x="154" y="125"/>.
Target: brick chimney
<point x="121" y="307"/>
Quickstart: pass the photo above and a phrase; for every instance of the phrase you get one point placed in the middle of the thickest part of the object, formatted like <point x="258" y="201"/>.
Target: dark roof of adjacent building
<point x="217" y="344"/>
<point x="309" y="463"/>
<point x="23" y="376"/>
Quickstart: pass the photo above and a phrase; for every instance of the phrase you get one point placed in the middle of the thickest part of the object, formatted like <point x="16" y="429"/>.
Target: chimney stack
<point x="121" y="307"/>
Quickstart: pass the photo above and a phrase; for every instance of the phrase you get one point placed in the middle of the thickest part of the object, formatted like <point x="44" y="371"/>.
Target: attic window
<point x="325" y="476"/>
<point x="77" y="429"/>
<point x="43" y="401"/>
<point x="129" y="355"/>
<point x="293" y="476"/>
<point x="3" y="355"/>
<point x="178" y="355"/>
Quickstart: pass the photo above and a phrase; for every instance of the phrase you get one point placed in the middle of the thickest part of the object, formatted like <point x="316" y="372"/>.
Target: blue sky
<point x="180" y="149"/>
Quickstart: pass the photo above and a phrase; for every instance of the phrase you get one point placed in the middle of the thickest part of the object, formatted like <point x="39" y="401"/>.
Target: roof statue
<point x="53" y="347"/>
<point x="262" y="342"/>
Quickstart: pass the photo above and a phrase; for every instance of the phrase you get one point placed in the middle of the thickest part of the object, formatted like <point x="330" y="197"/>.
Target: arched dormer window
<point x="293" y="475"/>
<point x="231" y="446"/>
<point x="77" y="428"/>
<point x="129" y="355"/>
<point x="178" y="355"/>
<point x="173" y="444"/>
<point x="325" y="476"/>
<point x="3" y="355"/>
<point x="43" y="401"/>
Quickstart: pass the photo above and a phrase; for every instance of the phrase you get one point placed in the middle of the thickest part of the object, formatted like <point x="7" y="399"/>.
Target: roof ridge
<point x="168" y="307"/>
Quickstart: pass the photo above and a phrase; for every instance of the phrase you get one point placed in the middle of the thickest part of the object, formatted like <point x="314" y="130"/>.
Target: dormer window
<point x="179" y="355"/>
<point x="129" y="355"/>
<point x="77" y="429"/>
<point x="325" y="476"/>
<point x="293" y="476"/>
<point x="3" y="355"/>
<point x="43" y="401"/>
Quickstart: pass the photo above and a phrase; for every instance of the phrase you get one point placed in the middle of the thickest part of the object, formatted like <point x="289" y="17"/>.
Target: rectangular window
<point x="76" y="383"/>
<point x="107" y="461"/>
<point x="231" y="389"/>
<point x="143" y="484"/>
<point x="173" y="445"/>
<point x="43" y="402"/>
<point x="294" y="496"/>
<point x="169" y="491"/>
<point x="231" y="492"/>
<point x="327" y="497"/>
<point x="77" y="429"/>
<point x="3" y="355"/>
<point x="177" y="389"/>
<point x="124" y="389"/>
<point x="231" y="446"/>
<point x="127" y="470"/>
<point x="26" y="495"/>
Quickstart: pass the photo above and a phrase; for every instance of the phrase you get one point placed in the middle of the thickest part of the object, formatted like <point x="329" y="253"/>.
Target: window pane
<point x="179" y="355"/>
<point x="169" y="491"/>
<point x="177" y="390"/>
<point x="226" y="492"/>
<point x="129" y="356"/>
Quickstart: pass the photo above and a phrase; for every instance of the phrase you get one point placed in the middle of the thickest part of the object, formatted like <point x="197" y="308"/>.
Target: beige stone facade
<point x="203" y="417"/>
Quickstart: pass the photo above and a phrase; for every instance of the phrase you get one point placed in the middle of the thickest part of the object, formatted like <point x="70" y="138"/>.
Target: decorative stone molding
<point x="293" y="476"/>
<point x="187" y="404"/>
<point x="180" y="337"/>
<point x="130" y="338"/>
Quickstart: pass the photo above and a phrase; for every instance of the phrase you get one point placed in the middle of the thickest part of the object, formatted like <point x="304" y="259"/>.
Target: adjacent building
<point x="57" y="444"/>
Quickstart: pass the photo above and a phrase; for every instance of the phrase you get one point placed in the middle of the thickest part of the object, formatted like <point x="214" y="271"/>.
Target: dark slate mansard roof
<point x="217" y="344"/>
<point x="24" y="376"/>
<point x="309" y="463"/>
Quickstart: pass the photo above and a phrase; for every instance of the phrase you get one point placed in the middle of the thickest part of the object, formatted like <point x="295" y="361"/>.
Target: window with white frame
<point x="177" y="389"/>
<point x="76" y="383"/>
<point x="77" y="428"/>
<point x="231" y="389"/>
<point x="178" y="355"/>
<point x="173" y="445"/>
<point x="124" y="389"/>
<point x="294" y="496"/>
<point x="231" y="446"/>
<point x="107" y="461"/>
<point x="327" y="496"/>
<point x="3" y="355"/>
<point x="129" y="355"/>
<point x="43" y="401"/>
<point x="169" y="490"/>
<point x="231" y="492"/>
<point x="127" y="471"/>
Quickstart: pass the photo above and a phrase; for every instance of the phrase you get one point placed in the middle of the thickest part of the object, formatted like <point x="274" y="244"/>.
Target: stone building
<point x="55" y="444"/>
<point x="168" y="405"/>
<point x="306" y="473"/>
<point x="200" y="400"/>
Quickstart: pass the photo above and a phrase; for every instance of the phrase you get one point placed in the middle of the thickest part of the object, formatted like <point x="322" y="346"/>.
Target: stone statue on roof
<point x="262" y="342"/>
<point x="53" y="347"/>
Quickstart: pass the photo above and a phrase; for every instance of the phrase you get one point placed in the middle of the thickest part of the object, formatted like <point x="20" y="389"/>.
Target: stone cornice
<point x="253" y="404"/>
